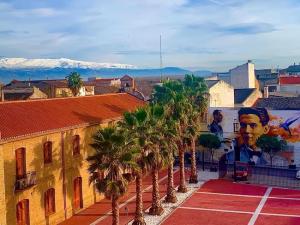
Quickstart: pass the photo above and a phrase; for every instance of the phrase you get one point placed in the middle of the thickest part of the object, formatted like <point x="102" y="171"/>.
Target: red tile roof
<point x="289" y="80"/>
<point x="32" y="117"/>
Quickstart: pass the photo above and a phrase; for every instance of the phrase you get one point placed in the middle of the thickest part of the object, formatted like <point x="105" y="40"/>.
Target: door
<point x="22" y="213"/>
<point x="78" y="204"/>
<point x="20" y="163"/>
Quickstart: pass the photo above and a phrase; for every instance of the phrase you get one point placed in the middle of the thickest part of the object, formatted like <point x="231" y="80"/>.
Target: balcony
<point x="28" y="181"/>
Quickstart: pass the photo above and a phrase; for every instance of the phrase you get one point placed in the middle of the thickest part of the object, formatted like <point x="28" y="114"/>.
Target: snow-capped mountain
<point x="18" y="63"/>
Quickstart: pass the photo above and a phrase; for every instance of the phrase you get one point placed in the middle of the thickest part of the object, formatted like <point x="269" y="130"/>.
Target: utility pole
<point x="161" y="78"/>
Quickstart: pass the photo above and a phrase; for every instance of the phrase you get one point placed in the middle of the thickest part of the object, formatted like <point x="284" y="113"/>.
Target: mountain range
<point x="24" y="69"/>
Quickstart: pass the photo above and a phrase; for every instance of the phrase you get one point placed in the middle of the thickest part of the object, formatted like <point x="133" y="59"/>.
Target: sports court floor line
<point x="250" y="196"/>
<point x="127" y="201"/>
<point x="224" y="194"/>
<point x="260" y="206"/>
<point x="236" y="211"/>
<point x="215" y="210"/>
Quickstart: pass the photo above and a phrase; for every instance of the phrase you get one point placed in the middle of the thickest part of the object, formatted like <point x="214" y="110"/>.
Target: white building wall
<point x="243" y="76"/>
<point x="221" y="95"/>
<point x="290" y="88"/>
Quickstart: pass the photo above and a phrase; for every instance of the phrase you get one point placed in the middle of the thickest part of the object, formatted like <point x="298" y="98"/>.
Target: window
<point x="50" y="201"/>
<point x="48" y="152"/>
<point x="20" y="163"/>
<point x="76" y="145"/>
<point x="22" y="212"/>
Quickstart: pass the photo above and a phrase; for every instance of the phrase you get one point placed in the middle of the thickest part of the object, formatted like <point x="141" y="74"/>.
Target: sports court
<point x="222" y="202"/>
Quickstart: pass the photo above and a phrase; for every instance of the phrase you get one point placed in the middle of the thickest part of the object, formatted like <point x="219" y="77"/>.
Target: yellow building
<point x="43" y="147"/>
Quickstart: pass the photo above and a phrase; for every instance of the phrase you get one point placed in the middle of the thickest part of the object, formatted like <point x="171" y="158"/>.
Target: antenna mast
<point x="161" y="78"/>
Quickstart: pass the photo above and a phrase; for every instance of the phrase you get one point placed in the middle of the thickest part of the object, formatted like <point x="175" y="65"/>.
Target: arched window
<point x="48" y="152"/>
<point x="49" y="201"/>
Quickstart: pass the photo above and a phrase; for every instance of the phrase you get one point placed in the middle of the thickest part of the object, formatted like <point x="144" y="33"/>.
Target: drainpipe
<point x="63" y="166"/>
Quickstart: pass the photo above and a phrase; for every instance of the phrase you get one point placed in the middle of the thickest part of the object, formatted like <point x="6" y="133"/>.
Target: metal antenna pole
<point x="161" y="78"/>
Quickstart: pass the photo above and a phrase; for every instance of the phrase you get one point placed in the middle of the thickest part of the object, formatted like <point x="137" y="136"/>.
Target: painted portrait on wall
<point x="255" y="122"/>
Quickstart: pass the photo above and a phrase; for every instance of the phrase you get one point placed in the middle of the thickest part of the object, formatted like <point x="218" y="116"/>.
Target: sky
<point x="196" y="34"/>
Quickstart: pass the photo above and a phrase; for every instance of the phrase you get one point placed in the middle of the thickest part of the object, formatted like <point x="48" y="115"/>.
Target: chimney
<point x="266" y="92"/>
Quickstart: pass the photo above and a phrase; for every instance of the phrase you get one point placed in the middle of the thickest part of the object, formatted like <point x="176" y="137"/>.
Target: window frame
<point x="48" y="152"/>
<point x="76" y="145"/>
<point x="49" y="202"/>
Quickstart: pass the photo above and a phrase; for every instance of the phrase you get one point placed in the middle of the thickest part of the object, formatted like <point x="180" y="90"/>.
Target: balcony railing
<point x="28" y="181"/>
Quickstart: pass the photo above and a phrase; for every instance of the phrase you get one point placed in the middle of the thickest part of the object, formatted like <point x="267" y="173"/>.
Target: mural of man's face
<point x="251" y="128"/>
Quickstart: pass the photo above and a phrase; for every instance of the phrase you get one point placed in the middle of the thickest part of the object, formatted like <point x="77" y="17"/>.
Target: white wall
<point x="290" y="88"/>
<point x="243" y="76"/>
<point x="221" y="95"/>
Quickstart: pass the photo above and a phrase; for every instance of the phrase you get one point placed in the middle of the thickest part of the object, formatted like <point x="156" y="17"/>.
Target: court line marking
<point x="127" y="201"/>
<point x="216" y="210"/>
<point x="225" y="194"/>
<point x="250" y="196"/>
<point x="260" y="206"/>
<point x="236" y="211"/>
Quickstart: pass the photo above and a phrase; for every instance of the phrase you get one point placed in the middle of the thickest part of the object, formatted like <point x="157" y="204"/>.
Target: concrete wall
<point x="243" y="76"/>
<point x="290" y="88"/>
<point x="48" y="176"/>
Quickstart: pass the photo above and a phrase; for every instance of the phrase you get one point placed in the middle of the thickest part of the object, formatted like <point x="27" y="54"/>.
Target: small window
<point x="76" y="145"/>
<point x="50" y="201"/>
<point x="48" y="152"/>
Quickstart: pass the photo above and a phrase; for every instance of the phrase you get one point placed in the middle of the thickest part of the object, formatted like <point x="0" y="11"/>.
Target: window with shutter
<point x="48" y="152"/>
<point x="76" y="145"/>
<point x="50" y="201"/>
<point x="20" y="163"/>
<point x="22" y="212"/>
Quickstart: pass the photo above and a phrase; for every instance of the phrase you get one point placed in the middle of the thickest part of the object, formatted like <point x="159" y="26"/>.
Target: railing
<point x="28" y="181"/>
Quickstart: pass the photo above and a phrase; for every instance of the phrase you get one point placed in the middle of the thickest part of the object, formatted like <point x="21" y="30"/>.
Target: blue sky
<point x="196" y="34"/>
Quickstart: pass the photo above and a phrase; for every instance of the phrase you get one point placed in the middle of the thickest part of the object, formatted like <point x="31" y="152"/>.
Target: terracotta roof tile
<point x="30" y="117"/>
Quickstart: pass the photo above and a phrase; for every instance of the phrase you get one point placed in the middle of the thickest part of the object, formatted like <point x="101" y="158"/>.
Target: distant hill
<point x="8" y="74"/>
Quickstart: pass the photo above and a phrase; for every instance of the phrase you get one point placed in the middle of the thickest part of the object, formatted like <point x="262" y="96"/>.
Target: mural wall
<point x="240" y="129"/>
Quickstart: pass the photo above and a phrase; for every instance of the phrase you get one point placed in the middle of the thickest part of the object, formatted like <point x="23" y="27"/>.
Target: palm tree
<point x="195" y="90"/>
<point x="114" y="154"/>
<point x="170" y="134"/>
<point x="74" y="82"/>
<point x="137" y="125"/>
<point x="171" y="93"/>
<point x="157" y="154"/>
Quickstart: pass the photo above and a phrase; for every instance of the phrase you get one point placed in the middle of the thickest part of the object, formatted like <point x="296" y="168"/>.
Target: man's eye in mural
<point x="244" y="125"/>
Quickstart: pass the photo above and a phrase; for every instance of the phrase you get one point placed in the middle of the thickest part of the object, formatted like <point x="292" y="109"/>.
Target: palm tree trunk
<point x="156" y="208"/>
<point x="194" y="176"/>
<point x="115" y="210"/>
<point x="171" y="197"/>
<point x="139" y="217"/>
<point x="182" y="186"/>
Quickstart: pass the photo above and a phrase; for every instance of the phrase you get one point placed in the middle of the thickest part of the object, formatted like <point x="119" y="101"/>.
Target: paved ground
<point x="99" y="213"/>
<point x="221" y="202"/>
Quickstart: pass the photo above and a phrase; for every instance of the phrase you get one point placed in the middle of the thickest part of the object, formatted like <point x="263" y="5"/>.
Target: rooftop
<point x="279" y="103"/>
<point x="24" y="118"/>
<point x="240" y="95"/>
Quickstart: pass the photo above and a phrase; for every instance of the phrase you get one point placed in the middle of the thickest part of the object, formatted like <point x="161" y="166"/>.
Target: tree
<point x="195" y="91"/>
<point x="114" y="154"/>
<point x="136" y="123"/>
<point x="171" y="94"/>
<point x="157" y="153"/>
<point x="74" y="82"/>
<point x="211" y="142"/>
<point x="270" y="145"/>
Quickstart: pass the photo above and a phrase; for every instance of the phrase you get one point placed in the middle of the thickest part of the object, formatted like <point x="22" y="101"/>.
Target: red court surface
<point x="222" y="202"/>
<point x="99" y="213"/>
